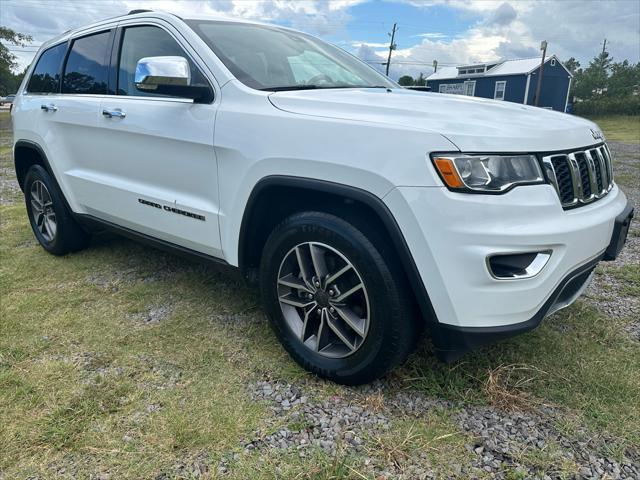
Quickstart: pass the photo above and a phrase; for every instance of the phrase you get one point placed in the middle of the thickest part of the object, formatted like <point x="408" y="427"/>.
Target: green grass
<point x="587" y="365"/>
<point x="620" y="128"/>
<point x="87" y="385"/>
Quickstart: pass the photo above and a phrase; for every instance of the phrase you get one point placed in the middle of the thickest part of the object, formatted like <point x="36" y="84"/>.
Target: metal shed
<point x="509" y="80"/>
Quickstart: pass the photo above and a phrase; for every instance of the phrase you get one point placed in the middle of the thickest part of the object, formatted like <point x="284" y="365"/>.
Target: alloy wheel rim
<point x="323" y="299"/>
<point x="44" y="216"/>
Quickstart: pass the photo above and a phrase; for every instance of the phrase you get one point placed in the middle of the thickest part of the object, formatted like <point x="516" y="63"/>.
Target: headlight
<point x="487" y="173"/>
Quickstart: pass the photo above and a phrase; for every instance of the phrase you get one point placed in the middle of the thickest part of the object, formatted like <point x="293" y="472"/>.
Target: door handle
<point x="49" y="108"/>
<point x="116" y="112"/>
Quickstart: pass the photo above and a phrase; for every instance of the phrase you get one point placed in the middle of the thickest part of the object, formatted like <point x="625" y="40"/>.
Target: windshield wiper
<point x="289" y="87"/>
<point x="285" y="88"/>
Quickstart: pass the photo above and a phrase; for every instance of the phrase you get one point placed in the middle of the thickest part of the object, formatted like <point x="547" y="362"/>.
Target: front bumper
<point x="450" y="236"/>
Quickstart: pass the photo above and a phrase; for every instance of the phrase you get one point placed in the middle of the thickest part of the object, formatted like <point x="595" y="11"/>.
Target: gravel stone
<point x="503" y="438"/>
<point x="327" y="424"/>
<point x="344" y="423"/>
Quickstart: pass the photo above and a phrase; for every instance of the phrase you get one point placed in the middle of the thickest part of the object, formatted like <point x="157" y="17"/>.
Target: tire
<point x="56" y="230"/>
<point x="381" y="308"/>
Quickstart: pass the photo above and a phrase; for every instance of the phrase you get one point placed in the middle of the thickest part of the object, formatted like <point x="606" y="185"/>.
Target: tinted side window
<point x="46" y="76"/>
<point x="148" y="41"/>
<point x="88" y="65"/>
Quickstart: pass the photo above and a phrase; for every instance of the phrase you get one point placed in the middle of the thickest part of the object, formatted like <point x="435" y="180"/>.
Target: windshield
<point x="270" y="58"/>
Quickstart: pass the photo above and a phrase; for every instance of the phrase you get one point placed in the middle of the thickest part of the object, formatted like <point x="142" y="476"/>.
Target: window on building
<point x="498" y="93"/>
<point x="553" y="62"/>
<point x="88" y="65"/>
<point x="148" y="41"/>
<point x="442" y="88"/>
<point x="46" y="76"/>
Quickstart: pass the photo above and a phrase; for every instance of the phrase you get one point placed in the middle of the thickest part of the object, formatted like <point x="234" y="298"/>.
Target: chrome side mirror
<point x="154" y="72"/>
<point x="170" y="76"/>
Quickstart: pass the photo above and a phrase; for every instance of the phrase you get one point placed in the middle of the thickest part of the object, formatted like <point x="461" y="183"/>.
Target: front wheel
<point x="333" y="301"/>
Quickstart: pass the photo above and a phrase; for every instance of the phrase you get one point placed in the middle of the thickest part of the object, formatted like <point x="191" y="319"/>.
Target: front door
<point x="470" y="88"/>
<point x="156" y="171"/>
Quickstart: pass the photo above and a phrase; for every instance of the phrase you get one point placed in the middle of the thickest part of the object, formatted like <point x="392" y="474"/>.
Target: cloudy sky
<point x="450" y="31"/>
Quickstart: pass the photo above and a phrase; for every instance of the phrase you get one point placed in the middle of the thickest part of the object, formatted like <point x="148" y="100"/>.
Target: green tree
<point x="607" y="87"/>
<point x="406" y="80"/>
<point x="624" y="78"/>
<point x="572" y="65"/>
<point x="8" y="80"/>
<point x="593" y="80"/>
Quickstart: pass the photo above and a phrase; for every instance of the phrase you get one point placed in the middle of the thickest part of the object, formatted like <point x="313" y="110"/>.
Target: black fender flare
<point x="359" y="195"/>
<point x="38" y="149"/>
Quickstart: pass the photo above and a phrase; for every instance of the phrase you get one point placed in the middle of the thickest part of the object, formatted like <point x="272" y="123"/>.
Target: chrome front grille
<point x="580" y="177"/>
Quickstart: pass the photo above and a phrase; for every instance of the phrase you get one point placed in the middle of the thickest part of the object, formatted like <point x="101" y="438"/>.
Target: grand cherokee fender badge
<point x="168" y="208"/>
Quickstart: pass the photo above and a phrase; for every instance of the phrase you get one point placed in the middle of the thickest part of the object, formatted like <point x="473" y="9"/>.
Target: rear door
<point x="37" y="102"/>
<point x="156" y="172"/>
<point x="71" y="133"/>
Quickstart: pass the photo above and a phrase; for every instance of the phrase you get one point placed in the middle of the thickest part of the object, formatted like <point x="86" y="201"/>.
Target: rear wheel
<point x="333" y="300"/>
<point x="51" y="221"/>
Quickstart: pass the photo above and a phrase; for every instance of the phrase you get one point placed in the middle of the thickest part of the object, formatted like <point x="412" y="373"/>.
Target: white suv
<point x="366" y="212"/>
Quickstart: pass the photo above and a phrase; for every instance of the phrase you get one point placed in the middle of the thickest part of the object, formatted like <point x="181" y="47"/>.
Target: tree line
<point x="605" y="86"/>
<point x="409" y="81"/>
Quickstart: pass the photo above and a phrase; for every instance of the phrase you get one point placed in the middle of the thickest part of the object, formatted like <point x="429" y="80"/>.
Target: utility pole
<point x="392" y="46"/>
<point x="543" y="47"/>
<point x="435" y="66"/>
<point x="604" y="46"/>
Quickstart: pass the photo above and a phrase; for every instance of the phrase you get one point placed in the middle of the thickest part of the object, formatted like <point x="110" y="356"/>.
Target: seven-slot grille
<point x="580" y="177"/>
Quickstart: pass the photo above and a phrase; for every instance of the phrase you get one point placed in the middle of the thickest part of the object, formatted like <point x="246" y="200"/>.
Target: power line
<point x="430" y="64"/>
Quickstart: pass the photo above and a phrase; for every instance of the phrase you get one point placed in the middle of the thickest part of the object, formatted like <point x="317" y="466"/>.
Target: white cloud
<point x="358" y="43"/>
<point x="503" y="15"/>
<point x="431" y="35"/>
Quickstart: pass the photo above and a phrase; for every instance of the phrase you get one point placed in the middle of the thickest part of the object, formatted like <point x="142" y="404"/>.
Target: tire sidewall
<point x="381" y="291"/>
<point x="35" y="173"/>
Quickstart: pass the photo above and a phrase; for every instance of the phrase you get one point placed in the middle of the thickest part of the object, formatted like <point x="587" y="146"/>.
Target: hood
<point x="472" y="124"/>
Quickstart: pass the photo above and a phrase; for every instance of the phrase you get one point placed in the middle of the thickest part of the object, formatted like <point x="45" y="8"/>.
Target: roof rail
<point x="139" y="10"/>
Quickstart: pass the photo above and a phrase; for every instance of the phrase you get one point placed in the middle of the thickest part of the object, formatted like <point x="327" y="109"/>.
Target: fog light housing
<point x="513" y="266"/>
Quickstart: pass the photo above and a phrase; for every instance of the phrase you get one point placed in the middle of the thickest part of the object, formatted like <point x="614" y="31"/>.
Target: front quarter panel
<point x="255" y="140"/>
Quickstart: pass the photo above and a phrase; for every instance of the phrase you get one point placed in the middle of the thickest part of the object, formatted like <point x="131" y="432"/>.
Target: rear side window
<point x="87" y="67"/>
<point x="148" y="41"/>
<point x="46" y="75"/>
